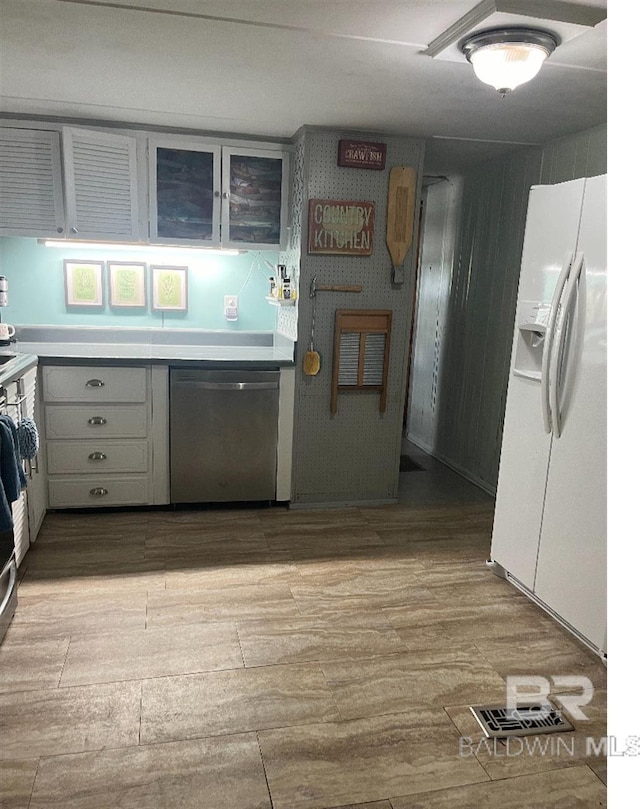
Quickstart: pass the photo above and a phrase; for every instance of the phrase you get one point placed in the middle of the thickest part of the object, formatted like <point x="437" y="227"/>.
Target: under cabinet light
<point x="72" y="243"/>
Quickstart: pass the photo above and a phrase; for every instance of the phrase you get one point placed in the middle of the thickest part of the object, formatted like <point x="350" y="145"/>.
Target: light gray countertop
<point x="16" y="367"/>
<point x="150" y="352"/>
<point x="162" y="345"/>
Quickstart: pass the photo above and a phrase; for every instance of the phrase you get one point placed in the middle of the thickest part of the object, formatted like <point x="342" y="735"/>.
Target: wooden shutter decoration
<point x="361" y="353"/>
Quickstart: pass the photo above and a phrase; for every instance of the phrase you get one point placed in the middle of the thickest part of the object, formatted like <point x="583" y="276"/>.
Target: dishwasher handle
<point x="202" y="385"/>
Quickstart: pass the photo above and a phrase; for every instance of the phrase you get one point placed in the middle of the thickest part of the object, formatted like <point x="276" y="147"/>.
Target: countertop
<point x="52" y="344"/>
<point x="16" y="367"/>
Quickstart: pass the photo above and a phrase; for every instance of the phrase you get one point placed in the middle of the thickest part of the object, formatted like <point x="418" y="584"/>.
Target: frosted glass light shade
<point x="507" y="58"/>
<point x="506" y="67"/>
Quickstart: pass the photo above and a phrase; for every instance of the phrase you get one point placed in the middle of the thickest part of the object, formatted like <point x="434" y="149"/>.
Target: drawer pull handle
<point x="97" y="420"/>
<point x="99" y="491"/>
<point x="97" y="456"/>
<point x="95" y="383"/>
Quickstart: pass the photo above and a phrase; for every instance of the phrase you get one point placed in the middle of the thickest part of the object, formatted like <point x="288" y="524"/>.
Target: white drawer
<point x="97" y="456"/>
<point x="93" y="384"/>
<point x="98" y="490"/>
<point x="96" y="421"/>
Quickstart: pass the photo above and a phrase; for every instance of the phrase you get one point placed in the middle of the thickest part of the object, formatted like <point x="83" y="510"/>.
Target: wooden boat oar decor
<point x="401" y="204"/>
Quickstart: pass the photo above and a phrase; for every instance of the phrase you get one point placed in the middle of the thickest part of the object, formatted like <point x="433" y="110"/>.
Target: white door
<point x="31" y="202"/>
<point x="184" y="191"/>
<point x="36" y="483"/>
<point x="571" y="572"/>
<point x="255" y="184"/>
<point x="551" y="234"/>
<point x="101" y="186"/>
<point x="13" y="398"/>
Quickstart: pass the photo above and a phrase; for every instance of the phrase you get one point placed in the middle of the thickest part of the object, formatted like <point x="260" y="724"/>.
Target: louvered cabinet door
<point x="13" y="392"/>
<point x="100" y="181"/>
<point x="36" y="483"/>
<point x="31" y="201"/>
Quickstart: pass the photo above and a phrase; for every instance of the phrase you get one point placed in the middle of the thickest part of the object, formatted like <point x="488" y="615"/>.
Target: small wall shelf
<point x="281" y="301"/>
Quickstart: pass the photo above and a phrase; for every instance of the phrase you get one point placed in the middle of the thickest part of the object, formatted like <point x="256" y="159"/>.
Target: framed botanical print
<point x="83" y="283"/>
<point x="127" y="284"/>
<point x="169" y="289"/>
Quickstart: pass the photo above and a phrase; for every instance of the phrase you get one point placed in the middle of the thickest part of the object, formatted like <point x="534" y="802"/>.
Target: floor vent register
<point x="527" y="719"/>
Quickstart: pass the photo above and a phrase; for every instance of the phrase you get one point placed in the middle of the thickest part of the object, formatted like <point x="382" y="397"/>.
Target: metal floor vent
<point x="528" y="719"/>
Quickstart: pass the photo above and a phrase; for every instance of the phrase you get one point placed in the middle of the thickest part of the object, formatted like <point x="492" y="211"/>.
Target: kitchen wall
<point x="287" y="322"/>
<point x="467" y="289"/>
<point x="354" y="455"/>
<point x="37" y="296"/>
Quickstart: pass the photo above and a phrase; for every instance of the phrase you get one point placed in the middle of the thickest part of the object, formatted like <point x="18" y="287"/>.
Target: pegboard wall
<point x="353" y="455"/>
<point x="287" y="320"/>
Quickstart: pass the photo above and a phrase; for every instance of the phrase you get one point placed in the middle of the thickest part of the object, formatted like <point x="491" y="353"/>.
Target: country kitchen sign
<point x="340" y="227"/>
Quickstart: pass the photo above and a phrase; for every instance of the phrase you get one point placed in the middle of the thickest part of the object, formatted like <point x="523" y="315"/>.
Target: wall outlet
<point x="231" y="307"/>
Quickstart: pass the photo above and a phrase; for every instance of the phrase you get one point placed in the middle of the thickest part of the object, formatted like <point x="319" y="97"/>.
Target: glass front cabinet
<point x="254" y="209"/>
<point x="217" y="196"/>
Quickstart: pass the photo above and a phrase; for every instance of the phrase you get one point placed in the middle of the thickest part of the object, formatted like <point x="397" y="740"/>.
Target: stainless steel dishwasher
<point x="223" y="435"/>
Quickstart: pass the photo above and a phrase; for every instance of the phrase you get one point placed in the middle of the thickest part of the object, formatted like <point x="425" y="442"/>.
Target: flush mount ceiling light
<point x="505" y="58"/>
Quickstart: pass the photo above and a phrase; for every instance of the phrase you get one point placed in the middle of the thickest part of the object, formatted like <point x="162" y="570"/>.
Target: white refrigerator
<point x="549" y="532"/>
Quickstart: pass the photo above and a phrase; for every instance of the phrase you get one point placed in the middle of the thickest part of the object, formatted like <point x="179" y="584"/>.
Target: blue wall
<point x="36" y="287"/>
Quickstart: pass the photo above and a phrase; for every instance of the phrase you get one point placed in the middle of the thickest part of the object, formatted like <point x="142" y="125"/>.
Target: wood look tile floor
<point x="280" y="659"/>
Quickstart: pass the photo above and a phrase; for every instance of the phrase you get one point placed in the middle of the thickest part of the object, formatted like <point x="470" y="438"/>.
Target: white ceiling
<point x="267" y="67"/>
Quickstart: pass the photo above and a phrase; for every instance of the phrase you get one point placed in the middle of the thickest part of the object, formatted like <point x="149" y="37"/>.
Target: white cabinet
<point x="13" y="406"/>
<point x="92" y="185"/>
<point x="19" y="401"/>
<point x="202" y="193"/>
<point x="106" y="435"/>
<point x="96" y="422"/>
<point x="184" y="191"/>
<point x="35" y="468"/>
<point x="99" y="490"/>
<point x="254" y="198"/>
<point x="87" y="190"/>
<point x="31" y="202"/>
<point x="88" y="383"/>
<point x="72" y="457"/>
<point x="100" y="185"/>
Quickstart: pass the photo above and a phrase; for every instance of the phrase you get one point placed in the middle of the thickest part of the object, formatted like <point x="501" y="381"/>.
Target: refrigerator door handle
<point x="548" y="343"/>
<point x="558" y="342"/>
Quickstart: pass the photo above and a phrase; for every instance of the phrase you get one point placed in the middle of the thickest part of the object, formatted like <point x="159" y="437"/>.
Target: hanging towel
<point x="6" y="514"/>
<point x="28" y="438"/>
<point x="12" y="478"/>
<point x="5" y="451"/>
